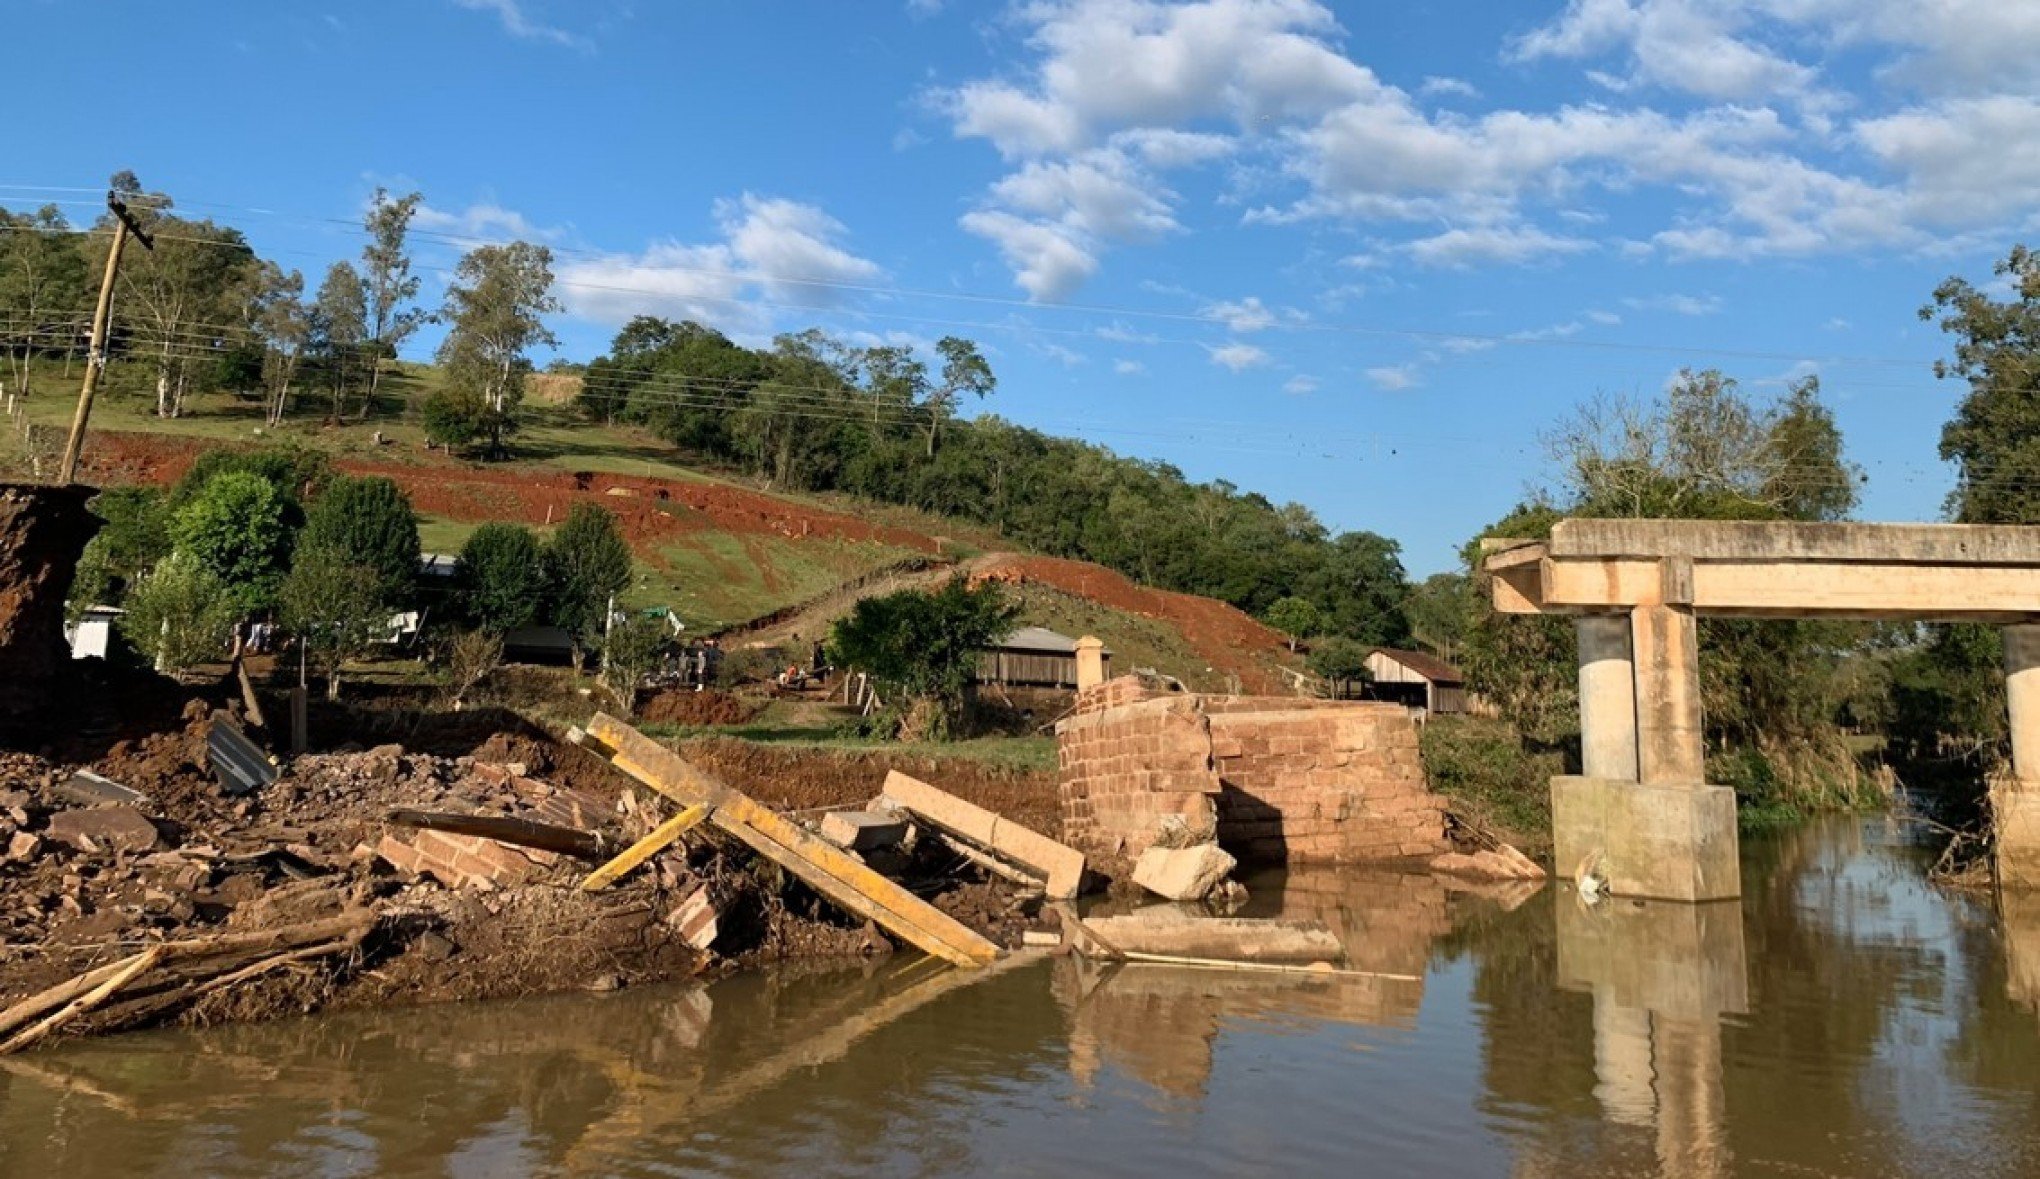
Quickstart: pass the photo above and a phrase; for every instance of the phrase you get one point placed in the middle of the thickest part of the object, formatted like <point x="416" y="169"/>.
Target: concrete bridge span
<point x="1635" y="589"/>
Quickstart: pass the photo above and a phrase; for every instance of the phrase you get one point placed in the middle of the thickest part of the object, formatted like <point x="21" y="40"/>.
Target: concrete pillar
<point x="1607" y="697"/>
<point x="2015" y="804"/>
<point x="2022" y="699"/>
<point x="1090" y="662"/>
<point x="1669" y="748"/>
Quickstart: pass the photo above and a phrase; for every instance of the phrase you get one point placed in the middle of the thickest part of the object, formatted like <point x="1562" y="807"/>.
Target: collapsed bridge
<point x="1641" y="806"/>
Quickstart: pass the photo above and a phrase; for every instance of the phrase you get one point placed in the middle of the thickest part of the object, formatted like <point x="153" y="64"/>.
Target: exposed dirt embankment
<point x="42" y="532"/>
<point x="794" y="778"/>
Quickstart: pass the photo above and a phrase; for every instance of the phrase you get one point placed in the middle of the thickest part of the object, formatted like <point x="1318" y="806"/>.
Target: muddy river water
<point x="1843" y="1019"/>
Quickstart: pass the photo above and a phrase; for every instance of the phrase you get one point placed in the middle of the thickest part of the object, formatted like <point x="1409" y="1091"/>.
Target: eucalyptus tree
<point x="43" y="291"/>
<point x="388" y="284"/>
<point x="495" y="311"/>
<point x="339" y="329"/>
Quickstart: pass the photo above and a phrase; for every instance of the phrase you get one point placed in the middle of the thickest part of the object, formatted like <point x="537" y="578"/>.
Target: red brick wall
<point x="1278" y="779"/>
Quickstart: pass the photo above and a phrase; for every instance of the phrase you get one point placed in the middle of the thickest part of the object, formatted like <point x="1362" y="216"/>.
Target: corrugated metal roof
<point x="1037" y="639"/>
<point x="1429" y="666"/>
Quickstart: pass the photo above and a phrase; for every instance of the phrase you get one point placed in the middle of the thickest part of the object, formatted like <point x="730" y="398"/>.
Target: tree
<point x="366" y="522"/>
<point x="336" y="609"/>
<point x="1994" y="436"/>
<point x="388" y="284"/>
<point x="631" y="651"/>
<point x="502" y="578"/>
<point x="43" y="289"/>
<point x="587" y="564"/>
<point x="1340" y="661"/>
<point x="134" y="537"/>
<point x="1295" y="618"/>
<point x="237" y="528"/>
<point x="339" y="327"/>
<point x="285" y="324"/>
<point x="496" y="308"/>
<point x="1360" y="586"/>
<point x="1436" y="609"/>
<point x="180" y="613"/>
<point x="177" y="299"/>
<point x="925" y="645"/>
<point x="964" y="370"/>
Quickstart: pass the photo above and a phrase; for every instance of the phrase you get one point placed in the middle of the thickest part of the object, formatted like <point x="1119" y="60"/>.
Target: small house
<point x="1416" y="679"/>
<point x="92" y="635"/>
<point x="1032" y="657"/>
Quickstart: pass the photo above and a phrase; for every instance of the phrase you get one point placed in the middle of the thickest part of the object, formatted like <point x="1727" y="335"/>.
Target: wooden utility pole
<point x="95" y="359"/>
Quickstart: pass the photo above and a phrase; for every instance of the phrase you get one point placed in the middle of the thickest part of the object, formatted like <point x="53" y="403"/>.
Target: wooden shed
<point x="1032" y="657"/>
<point x="1416" y="679"/>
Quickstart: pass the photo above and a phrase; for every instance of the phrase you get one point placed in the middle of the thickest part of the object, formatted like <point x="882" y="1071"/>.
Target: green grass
<point x="1133" y="640"/>
<point x="1019" y="754"/>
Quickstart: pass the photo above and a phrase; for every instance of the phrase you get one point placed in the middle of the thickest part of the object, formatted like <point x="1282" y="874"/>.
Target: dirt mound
<point x="678" y="706"/>
<point x="42" y="532"/>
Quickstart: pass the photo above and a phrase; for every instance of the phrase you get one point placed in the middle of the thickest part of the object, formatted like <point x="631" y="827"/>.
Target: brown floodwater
<point x="1843" y="1019"/>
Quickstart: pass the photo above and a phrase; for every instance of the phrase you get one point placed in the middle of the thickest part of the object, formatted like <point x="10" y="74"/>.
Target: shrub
<point x="238" y="527"/>
<point x="366" y="522"/>
<point x="502" y="578"/>
<point x="180" y="613"/>
<point x="925" y="645"/>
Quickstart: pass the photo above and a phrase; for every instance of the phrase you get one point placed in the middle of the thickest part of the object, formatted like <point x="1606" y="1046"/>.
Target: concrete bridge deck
<point x="1641" y="811"/>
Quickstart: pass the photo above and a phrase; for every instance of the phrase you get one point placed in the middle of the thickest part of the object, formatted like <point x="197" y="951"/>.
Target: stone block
<point x="863" y="830"/>
<point x="1675" y="843"/>
<point x="111" y="828"/>
<point x="1183" y="873"/>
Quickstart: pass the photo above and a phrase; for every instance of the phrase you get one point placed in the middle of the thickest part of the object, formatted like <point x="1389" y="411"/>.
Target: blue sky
<point x="1353" y="255"/>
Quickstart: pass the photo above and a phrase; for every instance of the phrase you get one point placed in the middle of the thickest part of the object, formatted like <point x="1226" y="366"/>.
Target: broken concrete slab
<point x="90" y="789"/>
<point x="1183" y="873"/>
<point x="1060" y="866"/>
<point x="1167" y="930"/>
<point x="864" y="830"/>
<point x="112" y="828"/>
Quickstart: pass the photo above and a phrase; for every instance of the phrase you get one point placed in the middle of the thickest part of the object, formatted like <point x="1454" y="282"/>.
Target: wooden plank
<point x="826" y="868"/>
<point x="644" y="849"/>
<point x="1061" y="866"/>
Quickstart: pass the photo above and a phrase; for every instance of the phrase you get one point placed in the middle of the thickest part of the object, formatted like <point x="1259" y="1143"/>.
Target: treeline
<point x="198" y="309"/>
<point x="814" y="413"/>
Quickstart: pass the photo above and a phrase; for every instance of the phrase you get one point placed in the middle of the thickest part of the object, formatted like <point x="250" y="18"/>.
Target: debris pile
<point x="145" y="888"/>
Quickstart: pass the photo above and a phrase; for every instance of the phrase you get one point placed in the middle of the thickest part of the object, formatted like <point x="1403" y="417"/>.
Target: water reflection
<point x="1843" y="1019"/>
<point x="1662" y="976"/>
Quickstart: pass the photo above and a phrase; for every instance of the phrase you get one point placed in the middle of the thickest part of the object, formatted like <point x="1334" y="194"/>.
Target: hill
<point x="726" y="556"/>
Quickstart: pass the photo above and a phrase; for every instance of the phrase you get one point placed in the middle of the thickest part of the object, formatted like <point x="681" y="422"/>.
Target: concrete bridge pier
<point x="2015" y="802"/>
<point x="1641" y="815"/>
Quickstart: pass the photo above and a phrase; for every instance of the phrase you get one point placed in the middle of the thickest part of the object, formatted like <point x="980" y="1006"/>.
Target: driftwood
<point x="181" y="972"/>
<point x="566" y="841"/>
<point x="127" y="971"/>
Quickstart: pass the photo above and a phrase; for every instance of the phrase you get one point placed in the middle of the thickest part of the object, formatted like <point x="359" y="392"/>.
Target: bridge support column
<point x="1641" y="816"/>
<point x="1607" y="697"/>
<point x="2015" y="803"/>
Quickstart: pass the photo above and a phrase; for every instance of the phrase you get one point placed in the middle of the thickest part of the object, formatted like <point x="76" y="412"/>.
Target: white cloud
<point x="1129" y="368"/>
<point x="1508" y="244"/>
<point x="485" y="222"/>
<point x="1067" y="357"/>
<point x="1300" y="384"/>
<point x="1604" y="318"/>
<point x="924" y="8"/>
<point x="521" y="24"/>
<point x="771" y="248"/>
<point x="1676" y="304"/>
<point x="1395" y="377"/>
<point x="1782" y="128"/>
<point x="1237" y="356"/>
<point x="1047" y="261"/>
<point x="1437" y="87"/>
<point x="1245" y="315"/>
<point x="1122" y="333"/>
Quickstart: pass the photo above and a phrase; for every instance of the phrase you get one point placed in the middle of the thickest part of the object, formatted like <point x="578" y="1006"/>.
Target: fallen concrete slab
<point x="863" y="830"/>
<point x="111" y="828"/>
<point x="1170" y="931"/>
<point x="1060" y="867"/>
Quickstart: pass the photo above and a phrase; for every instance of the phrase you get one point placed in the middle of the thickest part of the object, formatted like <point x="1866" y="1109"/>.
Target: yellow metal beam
<point x="644" y="849"/>
<point x="828" y="869"/>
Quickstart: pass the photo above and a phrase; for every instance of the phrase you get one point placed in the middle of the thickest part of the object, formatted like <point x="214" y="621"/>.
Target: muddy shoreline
<point x="84" y="883"/>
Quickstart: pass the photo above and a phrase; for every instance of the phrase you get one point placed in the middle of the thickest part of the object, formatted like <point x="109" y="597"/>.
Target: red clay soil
<point x="654" y="512"/>
<point x="798" y="779"/>
<point x="1226" y="635"/>
<point x="679" y="706"/>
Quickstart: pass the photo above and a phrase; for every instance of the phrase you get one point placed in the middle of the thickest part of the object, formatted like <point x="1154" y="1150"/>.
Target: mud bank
<point x="84" y="883"/>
